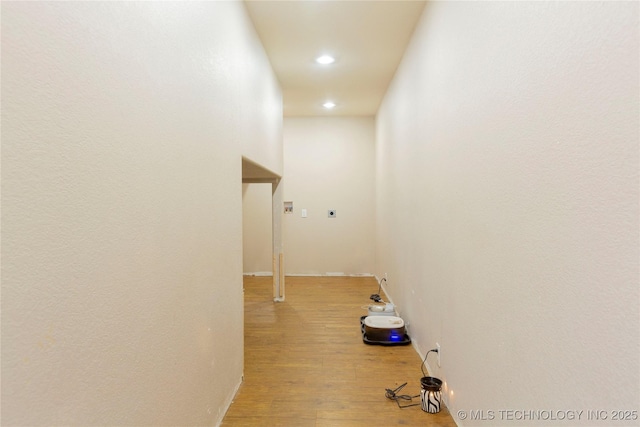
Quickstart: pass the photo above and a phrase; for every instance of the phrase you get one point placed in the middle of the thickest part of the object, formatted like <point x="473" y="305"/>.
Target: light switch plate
<point x="303" y="213"/>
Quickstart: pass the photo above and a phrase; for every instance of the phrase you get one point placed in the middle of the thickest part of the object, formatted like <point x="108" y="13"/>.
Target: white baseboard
<point x="329" y="274"/>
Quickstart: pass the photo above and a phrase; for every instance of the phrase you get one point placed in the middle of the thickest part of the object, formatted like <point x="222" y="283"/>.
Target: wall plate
<point x="331" y="213"/>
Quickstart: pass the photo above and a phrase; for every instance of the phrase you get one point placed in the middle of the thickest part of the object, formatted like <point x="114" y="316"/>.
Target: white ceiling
<point x="367" y="38"/>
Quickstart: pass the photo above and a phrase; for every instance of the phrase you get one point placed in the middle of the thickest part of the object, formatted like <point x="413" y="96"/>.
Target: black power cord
<point x="393" y="395"/>
<point x="376" y="297"/>
<point x="435" y="350"/>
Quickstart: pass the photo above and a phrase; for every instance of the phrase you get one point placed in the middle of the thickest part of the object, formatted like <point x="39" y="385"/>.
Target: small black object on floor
<point x="404" y="341"/>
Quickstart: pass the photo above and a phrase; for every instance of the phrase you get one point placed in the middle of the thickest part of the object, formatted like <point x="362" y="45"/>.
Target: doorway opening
<point x="253" y="173"/>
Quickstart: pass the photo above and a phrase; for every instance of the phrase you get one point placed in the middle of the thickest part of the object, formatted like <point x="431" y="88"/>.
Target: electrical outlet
<point x="439" y="353"/>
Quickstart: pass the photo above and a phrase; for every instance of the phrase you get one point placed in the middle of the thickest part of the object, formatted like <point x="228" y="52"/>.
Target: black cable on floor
<point x="393" y="395"/>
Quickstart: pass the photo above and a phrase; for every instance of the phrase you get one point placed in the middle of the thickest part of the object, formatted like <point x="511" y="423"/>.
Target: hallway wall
<point x="123" y="127"/>
<point x="329" y="164"/>
<point x="509" y="138"/>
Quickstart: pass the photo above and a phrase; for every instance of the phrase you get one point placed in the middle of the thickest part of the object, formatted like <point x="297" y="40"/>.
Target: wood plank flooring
<point x="306" y="364"/>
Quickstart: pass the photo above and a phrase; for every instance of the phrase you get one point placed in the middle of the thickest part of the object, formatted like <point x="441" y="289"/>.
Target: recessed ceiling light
<point x="329" y="105"/>
<point x="325" y="60"/>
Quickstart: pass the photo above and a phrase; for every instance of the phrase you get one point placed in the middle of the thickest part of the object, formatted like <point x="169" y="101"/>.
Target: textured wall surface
<point x="123" y="126"/>
<point x="329" y="164"/>
<point x="507" y="200"/>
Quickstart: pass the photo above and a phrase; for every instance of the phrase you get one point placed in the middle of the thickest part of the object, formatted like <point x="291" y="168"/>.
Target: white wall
<point x="329" y="164"/>
<point x="257" y="229"/>
<point x="123" y="127"/>
<point x="509" y="138"/>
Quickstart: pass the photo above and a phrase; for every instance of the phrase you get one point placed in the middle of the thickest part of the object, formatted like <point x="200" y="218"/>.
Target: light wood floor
<point x="306" y="364"/>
